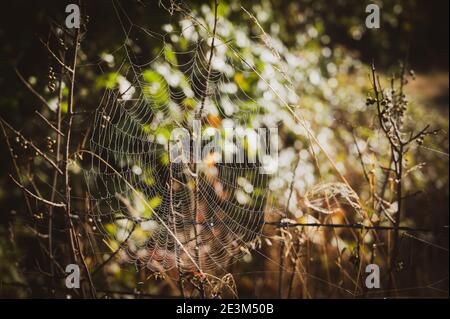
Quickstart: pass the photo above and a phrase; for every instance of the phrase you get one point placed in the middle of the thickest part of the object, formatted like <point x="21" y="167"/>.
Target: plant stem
<point x="74" y="242"/>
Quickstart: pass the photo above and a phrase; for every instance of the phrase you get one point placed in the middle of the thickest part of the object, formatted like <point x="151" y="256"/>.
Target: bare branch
<point x="31" y="144"/>
<point x="49" y="124"/>
<point x="351" y="226"/>
<point x="61" y="63"/>
<point x="31" y="89"/>
<point x="37" y="197"/>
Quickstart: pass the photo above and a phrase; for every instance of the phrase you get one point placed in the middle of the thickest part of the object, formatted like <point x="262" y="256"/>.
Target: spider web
<point x="194" y="217"/>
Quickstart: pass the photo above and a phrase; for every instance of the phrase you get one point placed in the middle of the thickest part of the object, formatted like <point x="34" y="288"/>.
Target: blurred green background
<point x="328" y="37"/>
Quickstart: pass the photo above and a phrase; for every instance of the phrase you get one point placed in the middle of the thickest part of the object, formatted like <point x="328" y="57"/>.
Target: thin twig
<point x="55" y="174"/>
<point x="282" y="244"/>
<point x="49" y="124"/>
<point x="211" y="55"/>
<point x="75" y="243"/>
<point x="16" y="166"/>
<point x="31" y="89"/>
<point x="105" y="262"/>
<point x="35" y="196"/>
<point x="172" y="210"/>
<point x="61" y="63"/>
<point x="28" y="142"/>
<point x="198" y="116"/>
<point x="352" y="226"/>
<point x="360" y="157"/>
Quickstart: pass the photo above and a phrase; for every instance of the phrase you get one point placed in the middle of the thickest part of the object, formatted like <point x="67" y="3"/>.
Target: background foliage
<point x="325" y="55"/>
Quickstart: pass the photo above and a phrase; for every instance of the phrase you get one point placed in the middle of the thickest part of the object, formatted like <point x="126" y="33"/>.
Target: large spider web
<point x="166" y="214"/>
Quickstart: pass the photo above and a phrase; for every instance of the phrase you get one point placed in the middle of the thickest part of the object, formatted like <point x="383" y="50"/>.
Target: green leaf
<point x="107" y="81"/>
<point x="155" y="202"/>
<point x="156" y="88"/>
<point x="170" y="55"/>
